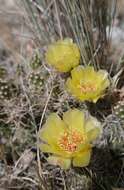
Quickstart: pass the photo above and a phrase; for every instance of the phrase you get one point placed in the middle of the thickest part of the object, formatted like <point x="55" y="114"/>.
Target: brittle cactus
<point x="36" y="79"/>
<point x="119" y="110"/>
<point x="6" y="89"/>
<point x="35" y="62"/>
<point x="77" y="182"/>
<point x="113" y="135"/>
<point x="3" y="72"/>
<point x="63" y="55"/>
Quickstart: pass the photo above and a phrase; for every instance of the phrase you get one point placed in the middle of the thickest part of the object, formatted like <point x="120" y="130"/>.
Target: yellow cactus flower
<point x="69" y="139"/>
<point x="63" y="55"/>
<point x="87" y="84"/>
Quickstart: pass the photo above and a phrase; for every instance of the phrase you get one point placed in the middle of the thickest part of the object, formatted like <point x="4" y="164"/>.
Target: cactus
<point x="77" y="182"/>
<point x="3" y="72"/>
<point x="35" y="62"/>
<point x="119" y="110"/>
<point x="6" y="89"/>
<point x="36" y="80"/>
<point x="113" y="135"/>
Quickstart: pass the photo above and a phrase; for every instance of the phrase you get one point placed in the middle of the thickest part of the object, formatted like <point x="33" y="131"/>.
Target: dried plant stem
<point x="58" y="20"/>
<point x="42" y="182"/>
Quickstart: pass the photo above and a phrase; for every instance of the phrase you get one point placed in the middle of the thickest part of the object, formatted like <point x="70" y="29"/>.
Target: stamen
<point x="86" y="88"/>
<point x="70" y="141"/>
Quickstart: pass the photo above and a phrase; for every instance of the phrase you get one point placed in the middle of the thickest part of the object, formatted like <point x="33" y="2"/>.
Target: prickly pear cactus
<point x="35" y="62"/>
<point x="78" y="182"/>
<point x="119" y="110"/>
<point x="6" y="89"/>
<point x="36" y="80"/>
<point x="3" y="72"/>
<point x="113" y="135"/>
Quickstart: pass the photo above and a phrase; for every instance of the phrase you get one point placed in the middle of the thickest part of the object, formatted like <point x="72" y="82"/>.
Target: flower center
<point x="69" y="141"/>
<point x="86" y="88"/>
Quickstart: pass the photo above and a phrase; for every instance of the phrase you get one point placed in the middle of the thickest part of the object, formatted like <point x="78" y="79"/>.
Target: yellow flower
<point x="69" y="139"/>
<point x="63" y="55"/>
<point x="87" y="84"/>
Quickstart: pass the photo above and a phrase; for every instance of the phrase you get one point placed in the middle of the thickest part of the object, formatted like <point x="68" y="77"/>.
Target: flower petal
<point x="74" y="89"/>
<point x="62" y="162"/>
<point x="102" y="74"/>
<point x="81" y="73"/>
<point x="74" y="119"/>
<point x="52" y="128"/>
<point x="82" y="159"/>
<point x="63" y="55"/>
<point x="48" y="148"/>
<point x="70" y="86"/>
<point x="77" y="73"/>
<point x="54" y="149"/>
<point x="93" y="128"/>
<point x="95" y="99"/>
<point x="102" y="78"/>
<point x="87" y="84"/>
